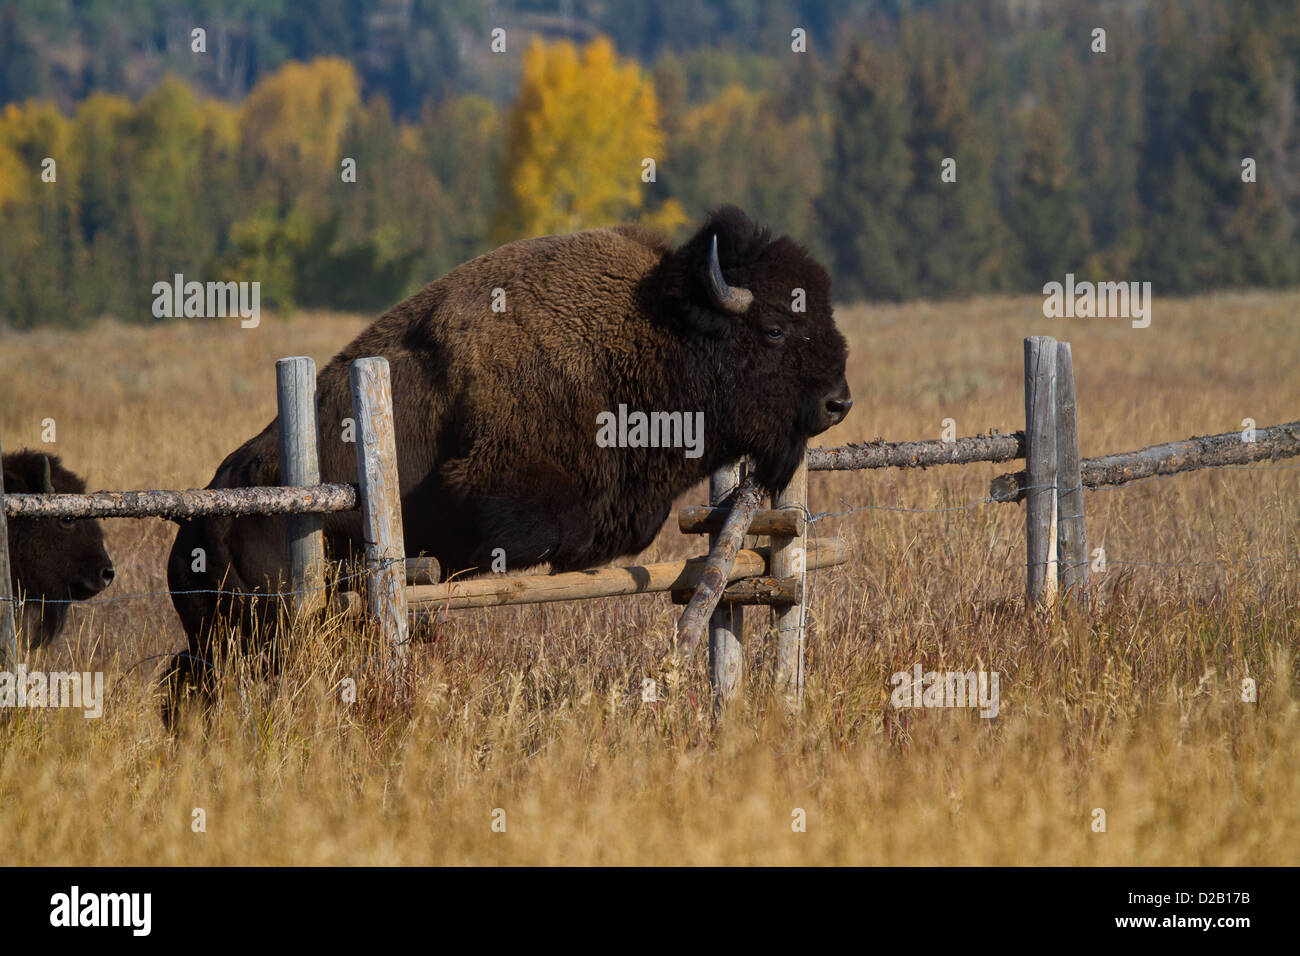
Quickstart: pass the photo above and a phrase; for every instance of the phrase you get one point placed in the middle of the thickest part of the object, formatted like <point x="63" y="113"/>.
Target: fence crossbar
<point x="193" y="503"/>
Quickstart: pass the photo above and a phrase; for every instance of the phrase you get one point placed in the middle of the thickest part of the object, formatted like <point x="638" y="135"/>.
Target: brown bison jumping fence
<point x="404" y="591"/>
<point x="714" y="587"/>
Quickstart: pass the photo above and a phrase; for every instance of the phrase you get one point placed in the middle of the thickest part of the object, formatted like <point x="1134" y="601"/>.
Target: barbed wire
<point x="986" y="500"/>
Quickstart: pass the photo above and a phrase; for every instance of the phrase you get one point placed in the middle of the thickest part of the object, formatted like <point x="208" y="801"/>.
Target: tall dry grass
<point x="1134" y="707"/>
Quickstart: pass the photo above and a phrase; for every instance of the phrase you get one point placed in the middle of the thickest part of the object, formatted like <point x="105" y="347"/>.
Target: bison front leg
<point x="188" y="679"/>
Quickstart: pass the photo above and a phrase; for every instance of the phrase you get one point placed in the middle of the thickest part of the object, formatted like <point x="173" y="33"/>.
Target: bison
<point x="51" y="559"/>
<point x="501" y="373"/>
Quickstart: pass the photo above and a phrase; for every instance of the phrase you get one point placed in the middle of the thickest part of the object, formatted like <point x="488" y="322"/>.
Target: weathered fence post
<point x="727" y="624"/>
<point x="295" y="381"/>
<point x="381" y="501"/>
<point x="1072" y="541"/>
<point x="789" y="560"/>
<point x="8" y="611"/>
<point x="1040" y="460"/>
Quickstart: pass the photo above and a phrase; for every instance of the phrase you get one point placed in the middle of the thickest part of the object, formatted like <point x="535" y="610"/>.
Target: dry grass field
<point x="1134" y="707"/>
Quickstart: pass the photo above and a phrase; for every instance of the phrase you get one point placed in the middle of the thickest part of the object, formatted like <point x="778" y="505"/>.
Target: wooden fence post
<point x="381" y="502"/>
<point x="1040" y="460"/>
<point x="727" y="624"/>
<point x="8" y="612"/>
<point x="1072" y="540"/>
<point x="789" y="560"/>
<point x="295" y="382"/>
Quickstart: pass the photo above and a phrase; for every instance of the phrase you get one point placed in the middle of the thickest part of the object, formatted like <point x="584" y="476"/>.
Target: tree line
<point x="947" y="150"/>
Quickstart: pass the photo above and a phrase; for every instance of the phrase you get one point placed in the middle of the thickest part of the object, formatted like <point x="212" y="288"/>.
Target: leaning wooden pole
<point x="1040" y="453"/>
<point x="713" y="580"/>
<point x="1072" y="539"/>
<point x="8" y="608"/>
<point x="727" y="622"/>
<point x="295" y="380"/>
<point x="789" y="560"/>
<point x="381" y="502"/>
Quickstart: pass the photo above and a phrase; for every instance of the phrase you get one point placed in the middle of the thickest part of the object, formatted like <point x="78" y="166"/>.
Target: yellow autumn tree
<point x="293" y="120"/>
<point x="14" y="179"/>
<point x="577" y="140"/>
<point x="30" y="132"/>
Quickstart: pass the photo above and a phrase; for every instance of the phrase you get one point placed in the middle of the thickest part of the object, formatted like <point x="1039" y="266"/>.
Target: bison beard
<point x="496" y="412"/>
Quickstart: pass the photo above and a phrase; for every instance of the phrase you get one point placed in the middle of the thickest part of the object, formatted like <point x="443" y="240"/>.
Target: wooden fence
<point x="405" y="593"/>
<point x="1053" y="481"/>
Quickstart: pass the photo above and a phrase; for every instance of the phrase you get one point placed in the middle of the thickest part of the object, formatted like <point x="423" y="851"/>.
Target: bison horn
<point x="47" y="486"/>
<point x="728" y="298"/>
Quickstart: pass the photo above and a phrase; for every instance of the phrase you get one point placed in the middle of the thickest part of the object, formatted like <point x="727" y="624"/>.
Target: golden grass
<point x="1135" y="708"/>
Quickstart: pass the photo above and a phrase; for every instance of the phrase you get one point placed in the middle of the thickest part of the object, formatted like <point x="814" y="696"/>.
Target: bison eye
<point x="774" y="333"/>
<point x="67" y="522"/>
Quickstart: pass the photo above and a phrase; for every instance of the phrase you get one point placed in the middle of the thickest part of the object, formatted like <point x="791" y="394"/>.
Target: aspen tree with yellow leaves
<point x="294" y="121"/>
<point x="578" y="140"/>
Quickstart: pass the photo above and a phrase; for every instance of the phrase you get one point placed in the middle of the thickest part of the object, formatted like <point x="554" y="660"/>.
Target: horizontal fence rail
<point x="428" y="603"/>
<point x="918" y="454"/>
<point x="1271" y="443"/>
<point x="1172" y="458"/>
<point x="195" y="503"/>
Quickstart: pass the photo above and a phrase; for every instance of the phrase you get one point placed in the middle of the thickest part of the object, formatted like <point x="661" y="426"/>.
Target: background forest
<point x="1119" y="155"/>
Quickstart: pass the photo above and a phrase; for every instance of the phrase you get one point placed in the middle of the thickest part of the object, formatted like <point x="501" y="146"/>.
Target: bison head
<point x="760" y="311"/>
<point x="58" y="559"/>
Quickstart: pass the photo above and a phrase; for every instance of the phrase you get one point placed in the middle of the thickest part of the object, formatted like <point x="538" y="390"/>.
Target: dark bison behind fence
<point x="502" y="372"/>
<point x="51" y="560"/>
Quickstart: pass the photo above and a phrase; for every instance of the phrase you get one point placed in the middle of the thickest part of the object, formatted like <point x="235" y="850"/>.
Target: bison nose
<point x="839" y="407"/>
<point x="838" y="404"/>
<point x="106" y="575"/>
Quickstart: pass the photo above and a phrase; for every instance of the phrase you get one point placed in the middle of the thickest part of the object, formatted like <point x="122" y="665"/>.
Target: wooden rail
<point x="786" y="522"/>
<point x="427" y="602"/>
<point x="1272" y="443"/>
<point x="193" y="503"/>
<point x="918" y="454"/>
